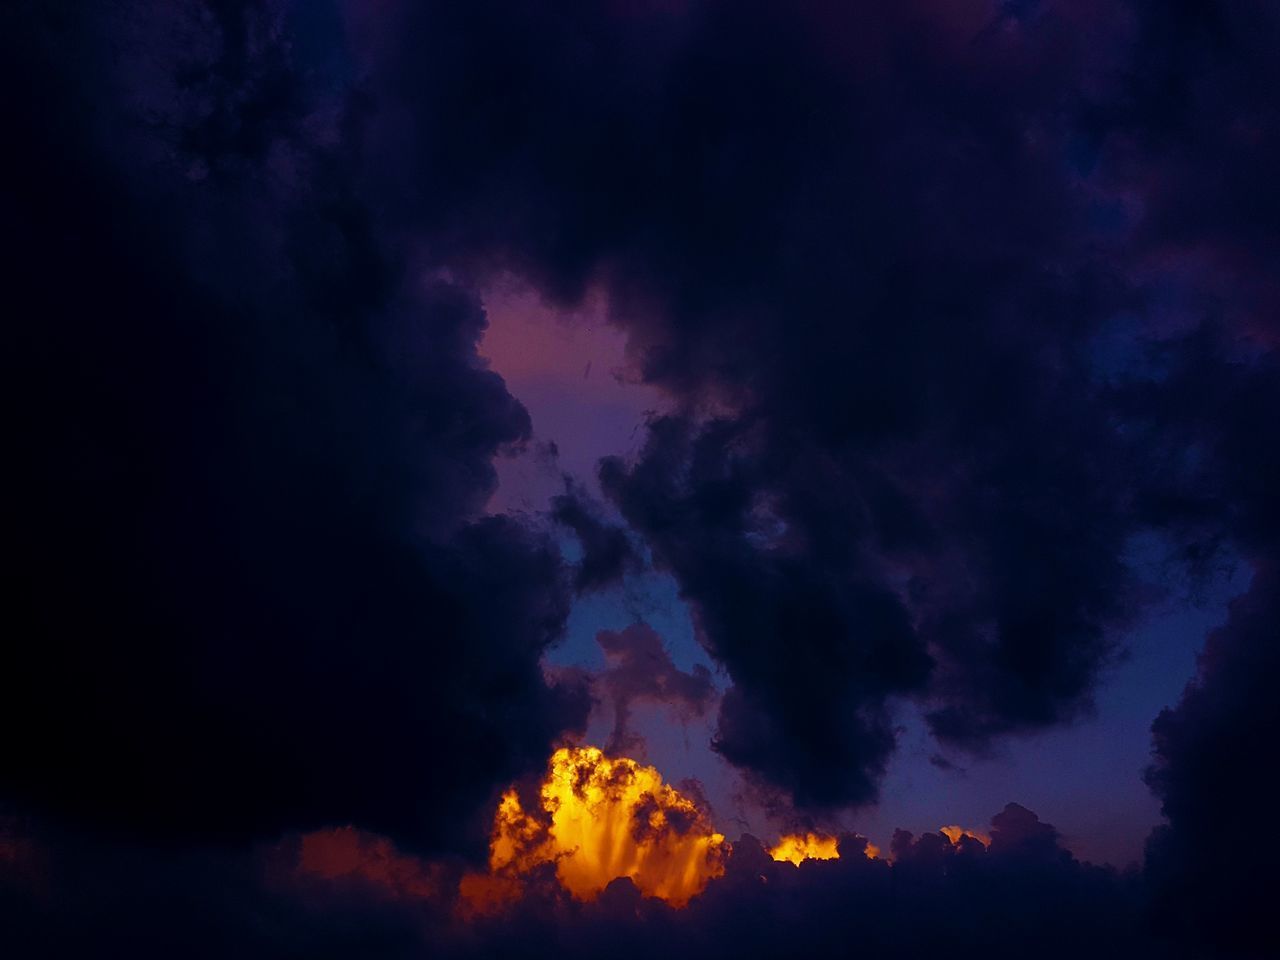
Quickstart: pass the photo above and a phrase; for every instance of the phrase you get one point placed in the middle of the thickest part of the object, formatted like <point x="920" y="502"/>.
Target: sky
<point x="688" y="477"/>
<point x="1086" y="776"/>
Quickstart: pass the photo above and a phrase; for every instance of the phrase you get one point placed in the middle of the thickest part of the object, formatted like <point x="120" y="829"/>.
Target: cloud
<point x="344" y="893"/>
<point x="1208" y="869"/>
<point x="599" y="818"/>
<point x="1201" y="135"/>
<point x="868" y="287"/>
<point x="256" y="589"/>
<point x="947" y="306"/>
<point x="638" y="669"/>
<point x="607" y="550"/>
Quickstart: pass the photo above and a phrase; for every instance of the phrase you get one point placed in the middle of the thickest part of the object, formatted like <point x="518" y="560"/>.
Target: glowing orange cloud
<point x="798" y="847"/>
<point x="602" y="818"/>
<point x="954" y="833"/>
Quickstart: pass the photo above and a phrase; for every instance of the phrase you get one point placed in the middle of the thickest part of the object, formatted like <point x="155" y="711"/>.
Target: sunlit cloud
<point x="598" y="819"/>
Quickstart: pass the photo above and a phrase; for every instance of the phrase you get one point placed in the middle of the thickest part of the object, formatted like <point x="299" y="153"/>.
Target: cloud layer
<point x="950" y="306"/>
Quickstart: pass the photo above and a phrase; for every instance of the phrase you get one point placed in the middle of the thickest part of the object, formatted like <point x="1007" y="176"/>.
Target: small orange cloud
<point x="798" y="847"/>
<point x="954" y="833"/>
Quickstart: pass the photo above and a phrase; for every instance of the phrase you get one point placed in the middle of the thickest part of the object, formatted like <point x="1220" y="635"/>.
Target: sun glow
<point x="954" y="833"/>
<point x="601" y="818"/>
<point x="798" y="847"/>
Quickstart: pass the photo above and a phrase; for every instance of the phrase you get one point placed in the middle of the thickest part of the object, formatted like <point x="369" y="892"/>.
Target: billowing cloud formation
<point x="1211" y="399"/>
<point x="1209" y="770"/>
<point x="949" y="302"/>
<point x="888" y="264"/>
<point x="869" y="283"/>
<point x="255" y="588"/>
<point x="1202" y="745"/>
<point x="601" y="819"/>
<point x="342" y="893"/>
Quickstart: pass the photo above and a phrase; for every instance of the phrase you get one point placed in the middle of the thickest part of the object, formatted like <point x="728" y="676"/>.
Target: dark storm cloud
<point x="1209" y="871"/>
<point x="879" y="273"/>
<point x="872" y="255"/>
<point x="1024" y="895"/>
<point x="889" y="266"/>
<point x="794" y="711"/>
<point x="1193" y="132"/>
<point x="252" y="439"/>
<point x="607" y="550"/>
<point x="950" y="301"/>
<point x="107" y="899"/>
<point x="1200" y="138"/>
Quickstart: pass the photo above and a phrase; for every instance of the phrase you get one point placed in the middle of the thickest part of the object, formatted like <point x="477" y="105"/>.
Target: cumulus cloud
<point x="947" y="306"/>
<point x="345" y="893"/>
<point x="256" y="591"/>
